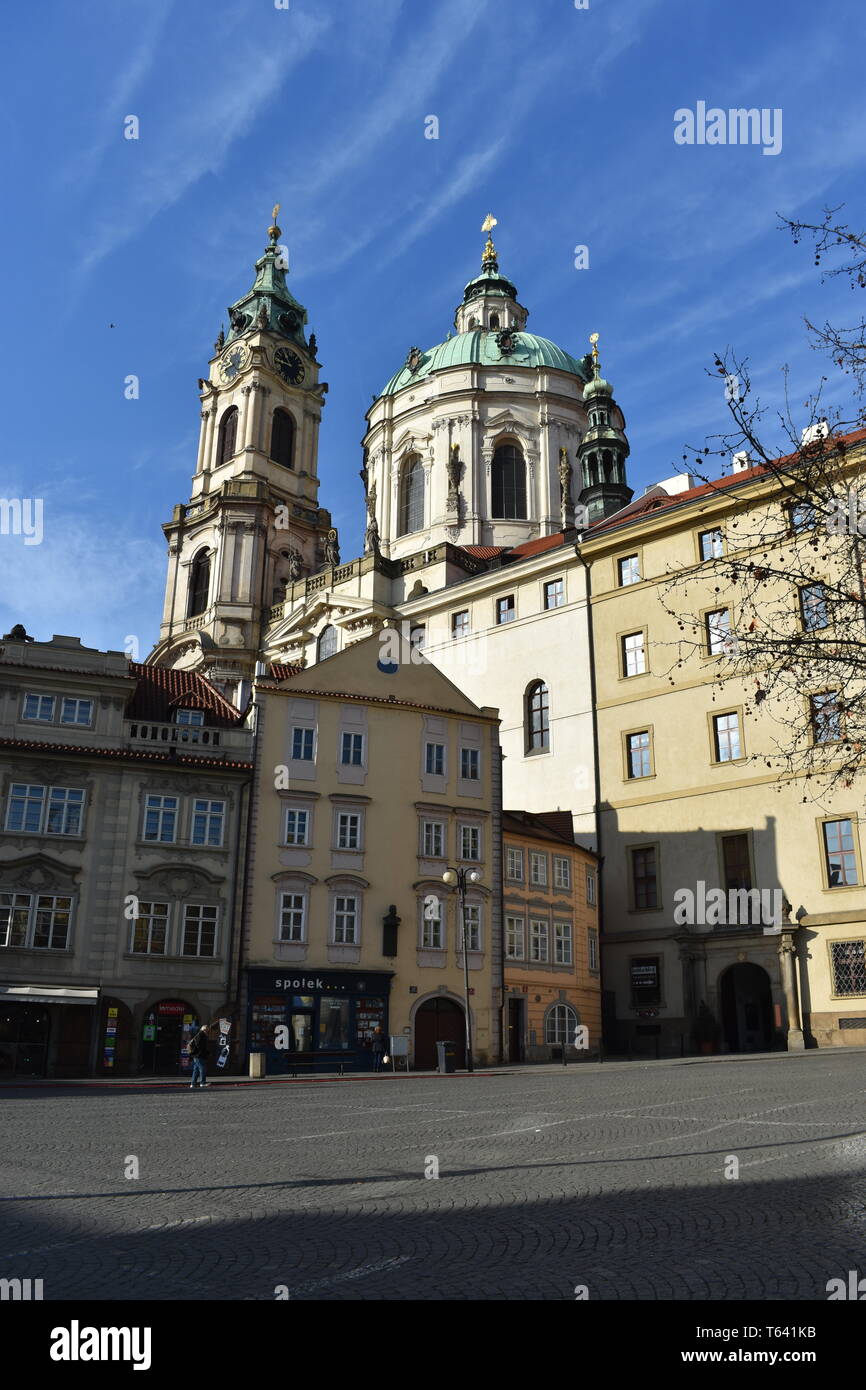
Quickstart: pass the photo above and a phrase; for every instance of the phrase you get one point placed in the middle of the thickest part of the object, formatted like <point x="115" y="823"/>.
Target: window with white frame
<point x="537" y="869"/>
<point x="593" y="949"/>
<point x="432" y="936"/>
<point x="470" y="842"/>
<point x="712" y="544"/>
<point x="79" y="712"/>
<point x="726" y="737"/>
<point x="434" y="759"/>
<point x="538" y="941"/>
<point x="514" y="938"/>
<point x="561" y="871"/>
<point x="38" y="921"/>
<point x="560" y="1024"/>
<point x="470" y="764"/>
<point x="505" y="610"/>
<point x="14" y="918"/>
<point x="554" y="593"/>
<point x="433" y="839"/>
<point x="199" y="930"/>
<point x="562" y="943"/>
<point x="352" y="750"/>
<point x="208" y="821"/>
<point x="460" y="623"/>
<point x="292" y="916"/>
<point x="514" y="864"/>
<point x="191" y="718"/>
<point x="717" y="625"/>
<point x="150" y="930"/>
<point x="345" y="920"/>
<point x="45" y="810"/>
<point x="590" y="889"/>
<point x="296" y="826"/>
<point x="25" y="807"/>
<point x="65" y="805"/>
<point x="348" y="830"/>
<point x="633" y="654"/>
<point x="160" y="818"/>
<point x="628" y="570"/>
<point x="473" y="927"/>
<point x="303" y="744"/>
<point x="39" y="707"/>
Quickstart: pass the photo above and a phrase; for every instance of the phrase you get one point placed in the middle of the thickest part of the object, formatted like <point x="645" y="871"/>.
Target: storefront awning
<point x="46" y="994"/>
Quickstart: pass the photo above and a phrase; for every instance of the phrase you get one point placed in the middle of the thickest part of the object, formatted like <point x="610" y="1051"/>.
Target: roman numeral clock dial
<point x="289" y="366"/>
<point x="233" y="361"/>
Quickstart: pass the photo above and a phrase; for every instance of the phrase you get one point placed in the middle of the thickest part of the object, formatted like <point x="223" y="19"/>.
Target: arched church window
<point x="412" y="496"/>
<point x="228" y="435"/>
<point x="537" y="717"/>
<point x="508" y="483"/>
<point x="494" y="320"/>
<point x="199" y="584"/>
<point x="327" y="643"/>
<point x="283" y="438"/>
<point x="607" y="460"/>
<point x="473" y="322"/>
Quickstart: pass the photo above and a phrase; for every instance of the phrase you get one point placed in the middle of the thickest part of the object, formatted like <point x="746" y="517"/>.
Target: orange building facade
<point x="551" y="939"/>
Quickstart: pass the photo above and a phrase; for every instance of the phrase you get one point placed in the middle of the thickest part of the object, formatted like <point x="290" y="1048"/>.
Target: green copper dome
<point x="481" y="347"/>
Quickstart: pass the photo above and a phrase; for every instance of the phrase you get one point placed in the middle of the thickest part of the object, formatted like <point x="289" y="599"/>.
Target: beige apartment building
<point x="375" y="775"/>
<point x="686" y="808"/>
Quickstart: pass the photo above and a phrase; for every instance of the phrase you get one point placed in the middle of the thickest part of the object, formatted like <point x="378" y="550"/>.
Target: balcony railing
<point x="192" y="738"/>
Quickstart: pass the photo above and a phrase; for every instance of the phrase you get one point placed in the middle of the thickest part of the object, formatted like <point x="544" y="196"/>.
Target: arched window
<point x="560" y="1023"/>
<point x="412" y="496"/>
<point x="327" y="643"/>
<point x="508" y="483"/>
<point x="228" y="435"/>
<point x="199" y="583"/>
<point x="494" y="320"/>
<point x="283" y="439"/>
<point x="537" y="717"/>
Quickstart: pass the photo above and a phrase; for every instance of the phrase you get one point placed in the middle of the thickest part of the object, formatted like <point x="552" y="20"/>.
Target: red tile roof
<point x="281" y="672"/>
<point x="536" y="547"/>
<point x="160" y="690"/>
<point x="136" y="754"/>
<point x="484" y="552"/>
<point x="547" y="825"/>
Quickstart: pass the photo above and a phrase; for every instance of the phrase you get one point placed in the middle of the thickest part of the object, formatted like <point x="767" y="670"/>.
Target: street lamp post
<point x="460" y="878"/>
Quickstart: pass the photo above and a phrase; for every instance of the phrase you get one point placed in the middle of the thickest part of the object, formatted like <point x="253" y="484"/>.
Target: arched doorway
<point x="167" y="1028"/>
<point x="438" y="1020"/>
<point x="747" y="1011"/>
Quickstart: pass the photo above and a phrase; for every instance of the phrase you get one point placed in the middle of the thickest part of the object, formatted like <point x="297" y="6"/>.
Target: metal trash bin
<point x="447" y="1053"/>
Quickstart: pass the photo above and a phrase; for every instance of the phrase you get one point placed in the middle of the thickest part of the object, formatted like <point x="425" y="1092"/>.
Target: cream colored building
<point x="685" y="808"/>
<point x="373" y="777"/>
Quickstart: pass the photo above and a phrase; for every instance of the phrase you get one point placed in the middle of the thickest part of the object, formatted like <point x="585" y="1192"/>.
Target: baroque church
<point x="485" y="457"/>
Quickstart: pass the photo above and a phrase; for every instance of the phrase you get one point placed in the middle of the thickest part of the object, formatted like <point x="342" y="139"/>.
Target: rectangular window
<point x="839" y="854"/>
<point x="199" y="931"/>
<point x="348" y="830"/>
<point x="190" y="717"/>
<point x="292" y="916"/>
<point x="470" y="764"/>
<point x="434" y="839"/>
<point x="592" y="941"/>
<point x="736" y="862"/>
<point x="160" y="818"/>
<point x="813" y="607"/>
<point x="561" y="872"/>
<point x="633" y="649"/>
<point x="150" y="930"/>
<point x="460" y="623"/>
<point x="554" y="593"/>
<point x="644" y="877"/>
<point x="514" y="864"/>
<point x="470" y="842"/>
<point x="562" y="953"/>
<point x="538" y="941"/>
<point x="473" y="927"/>
<point x="712" y="545"/>
<point x="849" y="967"/>
<point x="717" y="628"/>
<point x="14" y="918"/>
<point x="297" y="826"/>
<point x="514" y="938"/>
<point x="434" y="759"/>
<point x="505" y="610"/>
<point x="826" y="717"/>
<point x="802" y="516"/>
<point x="645" y="977"/>
<point x="39" y="707"/>
<point x="538" y="869"/>
<point x="51" y="923"/>
<point x="302" y="745"/>
<point x="65" y="805"/>
<point x="25" y="807"/>
<point x="726" y="737"/>
<point x="431" y="924"/>
<point x="638" y="754"/>
<point x="208" y="819"/>
<point x="78" y="712"/>
<point x="628" y="570"/>
<point x="352" y="750"/>
<point x="345" y="921"/>
<point x="590" y="889"/>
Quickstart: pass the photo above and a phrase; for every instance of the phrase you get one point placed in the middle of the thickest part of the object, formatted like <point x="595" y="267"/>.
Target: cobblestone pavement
<point x="611" y="1177"/>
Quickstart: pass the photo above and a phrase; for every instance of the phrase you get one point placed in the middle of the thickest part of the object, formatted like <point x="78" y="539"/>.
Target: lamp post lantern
<point x="459" y="878"/>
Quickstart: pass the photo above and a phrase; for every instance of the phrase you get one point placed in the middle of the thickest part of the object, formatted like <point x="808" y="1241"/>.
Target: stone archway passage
<point x="438" y="1020"/>
<point x="747" y="1011"/>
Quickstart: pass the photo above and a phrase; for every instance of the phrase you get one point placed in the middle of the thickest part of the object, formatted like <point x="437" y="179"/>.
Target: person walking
<point x="378" y="1049"/>
<point x="198" y="1050"/>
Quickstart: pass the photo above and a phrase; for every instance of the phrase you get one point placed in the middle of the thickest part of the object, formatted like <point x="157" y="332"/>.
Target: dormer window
<point x="189" y="716"/>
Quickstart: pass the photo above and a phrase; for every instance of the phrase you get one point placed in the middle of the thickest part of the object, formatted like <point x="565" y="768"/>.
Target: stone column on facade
<point x="210" y="430"/>
<point x="249" y="395"/>
<point x="261" y="437"/>
<point x="787" y="951"/>
<point x="202" y="438"/>
<point x="546" y="489"/>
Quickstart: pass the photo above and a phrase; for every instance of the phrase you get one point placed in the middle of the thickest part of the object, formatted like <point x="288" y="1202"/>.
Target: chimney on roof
<point x="681" y="482"/>
<point x="819" y="430"/>
<point x="740" y="461"/>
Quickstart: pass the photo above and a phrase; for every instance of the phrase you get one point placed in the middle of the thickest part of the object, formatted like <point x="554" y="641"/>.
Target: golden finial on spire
<point x="489" y="250"/>
<point x="274" y="232"/>
<point x="593" y="338"/>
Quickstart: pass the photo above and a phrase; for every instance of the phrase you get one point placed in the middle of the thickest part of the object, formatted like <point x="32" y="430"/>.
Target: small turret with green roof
<point x="604" y="448"/>
<point x="269" y="306"/>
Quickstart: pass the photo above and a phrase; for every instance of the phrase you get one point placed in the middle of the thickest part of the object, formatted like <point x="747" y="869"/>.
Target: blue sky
<point x="558" y="120"/>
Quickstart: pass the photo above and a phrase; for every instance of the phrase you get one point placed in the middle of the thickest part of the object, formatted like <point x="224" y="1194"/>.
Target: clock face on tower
<point x="233" y="362"/>
<point x="289" y="365"/>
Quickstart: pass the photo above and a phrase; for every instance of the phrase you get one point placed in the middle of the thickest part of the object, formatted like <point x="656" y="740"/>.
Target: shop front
<point x="45" y="1030"/>
<point x="167" y="1029"/>
<point x="308" y="1019"/>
